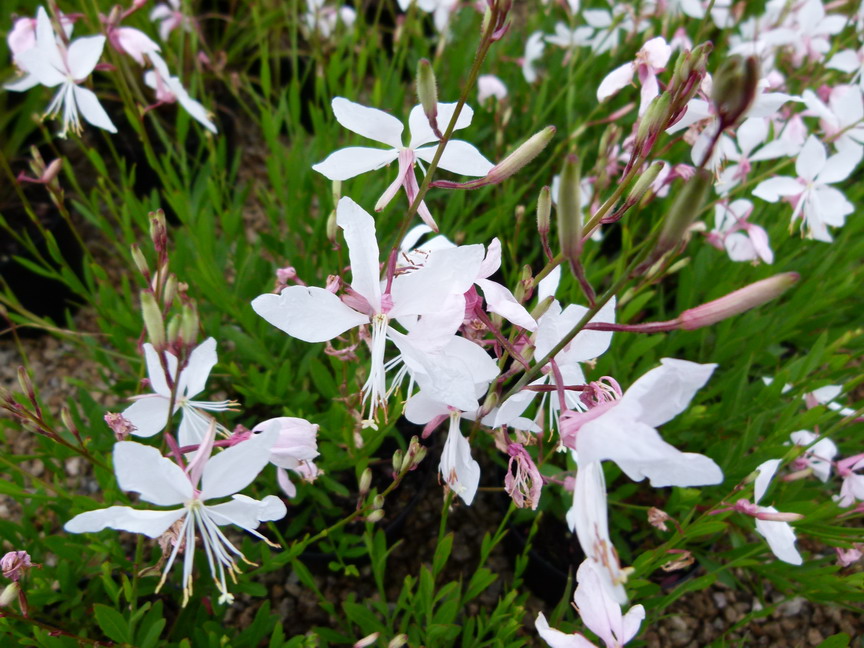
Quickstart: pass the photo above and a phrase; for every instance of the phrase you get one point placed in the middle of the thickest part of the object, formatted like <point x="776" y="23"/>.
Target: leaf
<point x="112" y="623"/>
<point x="442" y="553"/>
<point x="836" y="641"/>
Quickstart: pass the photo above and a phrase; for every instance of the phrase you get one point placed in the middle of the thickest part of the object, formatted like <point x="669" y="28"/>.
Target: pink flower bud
<point x="120" y="425"/>
<point x="14" y="564"/>
<point x="737" y="302"/>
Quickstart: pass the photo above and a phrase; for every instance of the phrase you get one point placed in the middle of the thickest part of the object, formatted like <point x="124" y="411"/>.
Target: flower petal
<point x="811" y="159"/>
<point x="354" y="160"/>
<point x="421" y="131"/>
<point x="246" y="512"/>
<point x="148" y="414"/>
<point x="142" y="469"/>
<point x="618" y="78"/>
<point x="359" y="230"/>
<point x="766" y="474"/>
<point x="193" y="378"/>
<point x="92" y="110"/>
<point x="458" y="157"/>
<point x="458" y="469"/>
<point x="780" y="537"/>
<point x="83" y="56"/>
<point x="308" y="313"/>
<point x="368" y="122"/>
<point x="665" y="391"/>
<point x="235" y="468"/>
<point x="557" y="639"/>
<point x="151" y="523"/>
<point x="155" y="372"/>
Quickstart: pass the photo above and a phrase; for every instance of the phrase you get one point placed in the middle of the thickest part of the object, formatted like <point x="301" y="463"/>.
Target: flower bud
<point x="158" y="230"/>
<point x="365" y="481"/>
<point x="653" y="122"/>
<point x="51" y="171"/>
<point x="523" y="154"/>
<point x="26" y="384"/>
<point x="427" y="93"/>
<point x="170" y="290"/>
<point x="541" y="308"/>
<point x="737" y="302"/>
<point x="66" y="417"/>
<point x="173" y="330"/>
<point x="14" y="564"/>
<point x="420" y="455"/>
<point x="684" y="211"/>
<point x="735" y="85"/>
<point x="375" y="516"/>
<point x="9" y="594"/>
<point x="332" y="228"/>
<point x="140" y="261"/>
<point x="153" y="321"/>
<point x="398" y="456"/>
<point x="189" y="324"/>
<point x="570" y="210"/>
<point x="544" y="211"/>
<point x="643" y="182"/>
<point x="367" y="640"/>
<point x="778" y="517"/>
<point x="378" y="502"/>
<point x="398" y="641"/>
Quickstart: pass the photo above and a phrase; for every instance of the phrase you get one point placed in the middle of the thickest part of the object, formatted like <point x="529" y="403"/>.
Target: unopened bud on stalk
<point x="189" y="324"/>
<point x="427" y="93"/>
<point x="398" y="456"/>
<point x="778" y="517"/>
<point x="420" y="455"/>
<point x="367" y="640"/>
<point x="173" y="330"/>
<point x="153" y="321"/>
<point x="524" y="154"/>
<point x="159" y="230"/>
<point x="365" y="481"/>
<point x="9" y="594"/>
<point x="643" y="182"/>
<point x="684" y="211"/>
<point x="544" y="211"/>
<point x="541" y="308"/>
<point x="737" y="302"/>
<point x="140" y="261"/>
<point x="375" y="516"/>
<point x="653" y="122"/>
<point x="398" y="641"/>
<point x="378" y="502"/>
<point x="26" y="384"/>
<point x="66" y="417"/>
<point x="570" y="210"/>
<point x="170" y="291"/>
<point x="734" y="90"/>
<point x="51" y="171"/>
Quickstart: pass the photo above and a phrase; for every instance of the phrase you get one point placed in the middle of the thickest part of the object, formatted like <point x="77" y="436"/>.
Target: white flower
<point x="158" y="480"/>
<point x="149" y="413"/>
<point x="50" y="65"/>
<point x="818" y="456"/>
<point x="650" y="59"/>
<point x="816" y="203"/>
<point x="533" y="52"/>
<point x="458" y="157"/>
<point x="778" y="534"/>
<point x="295" y="449"/>
<point x="733" y="232"/>
<point x="489" y="85"/>
<point x="169" y="89"/>
<point x="170" y="17"/>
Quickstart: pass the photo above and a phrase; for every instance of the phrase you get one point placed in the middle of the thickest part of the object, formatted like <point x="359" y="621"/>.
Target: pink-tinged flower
<point x="22" y="36"/>
<point x="808" y="29"/>
<point x="611" y="25"/>
<point x="169" y="89"/>
<point x="51" y="64"/>
<point x="734" y="233"/>
<point x="170" y="17"/>
<point x="159" y="481"/>
<point x="323" y="20"/>
<point x="488" y="86"/>
<point x="846" y="557"/>
<point x="770" y="523"/>
<point x="523" y="481"/>
<point x="841" y="117"/>
<point x="295" y="449"/>
<point x="818" y="457"/>
<point x="458" y="157"/>
<point x="568" y="38"/>
<point x="432" y="297"/>
<point x="623" y="431"/>
<point x="599" y="612"/>
<point x="131" y="41"/>
<point x="650" y="59"/>
<point x="751" y="138"/>
<point x="849" y="61"/>
<point x="149" y="413"/>
<point x="852" y="489"/>
<point x="815" y="201"/>
<point x="15" y="564"/>
<point x="533" y="53"/>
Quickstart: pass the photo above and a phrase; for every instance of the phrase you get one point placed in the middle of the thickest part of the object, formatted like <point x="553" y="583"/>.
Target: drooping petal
<point x="123" y="518"/>
<point x="148" y="414"/>
<point x="664" y="392"/>
<point x="458" y="469"/>
<point x="368" y="122"/>
<point x="246" y="512"/>
<point x="193" y="378"/>
<point x="143" y="469"/>
<point x="458" y="157"/>
<point x="308" y="313"/>
<point x="83" y="55"/>
<point x="91" y="109"/>
<point x="235" y="468"/>
<point x="354" y="160"/>
<point x="599" y="612"/>
<point x="556" y="638"/>
<point x="766" y="474"/>
<point x="618" y="78"/>
<point x="359" y="229"/>
<point x="780" y="537"/>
